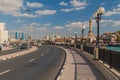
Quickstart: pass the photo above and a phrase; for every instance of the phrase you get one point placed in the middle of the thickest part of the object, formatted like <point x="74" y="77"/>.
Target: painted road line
<point x="31" y="60"/>
<point x="4" y="72"/>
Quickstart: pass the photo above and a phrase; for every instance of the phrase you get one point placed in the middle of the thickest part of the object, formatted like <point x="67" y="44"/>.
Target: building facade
<point x="3" y="33"/>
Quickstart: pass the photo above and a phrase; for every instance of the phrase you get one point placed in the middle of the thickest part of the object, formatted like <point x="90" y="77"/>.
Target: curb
<point x="17" y="54"/>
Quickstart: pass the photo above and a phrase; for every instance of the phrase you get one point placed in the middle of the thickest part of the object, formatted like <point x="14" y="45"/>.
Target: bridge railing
<point x="112" y="58"/>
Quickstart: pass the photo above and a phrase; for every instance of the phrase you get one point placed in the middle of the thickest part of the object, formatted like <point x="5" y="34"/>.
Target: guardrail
<point x="112" y="58"/>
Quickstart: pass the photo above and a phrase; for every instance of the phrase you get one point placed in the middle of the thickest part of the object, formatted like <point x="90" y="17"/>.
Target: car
<point x="39" y="45"/>
<point x="23" y="46"/>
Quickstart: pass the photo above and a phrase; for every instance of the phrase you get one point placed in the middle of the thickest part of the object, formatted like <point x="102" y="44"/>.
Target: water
<point x="113" y="48"/>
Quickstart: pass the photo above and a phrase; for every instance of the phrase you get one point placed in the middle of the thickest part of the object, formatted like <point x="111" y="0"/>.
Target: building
<point x="3" y="33"/>
<point x="20" y="36"/>
<point x="109" y="37"/>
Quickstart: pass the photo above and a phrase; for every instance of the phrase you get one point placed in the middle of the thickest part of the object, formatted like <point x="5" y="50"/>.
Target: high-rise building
<point x="3" y="33"/>
<point x="20" y="36"/>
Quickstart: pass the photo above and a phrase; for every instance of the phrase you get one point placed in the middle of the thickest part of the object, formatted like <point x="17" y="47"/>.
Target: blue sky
<point x="63" y="17"/>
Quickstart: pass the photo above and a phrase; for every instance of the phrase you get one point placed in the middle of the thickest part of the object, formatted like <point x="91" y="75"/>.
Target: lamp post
<point x="75" y="37"/>
<point x="83" y="28"/>
<point x="97" y="15"/>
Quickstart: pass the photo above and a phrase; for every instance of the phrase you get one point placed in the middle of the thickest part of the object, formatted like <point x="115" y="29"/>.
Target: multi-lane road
<point x="43" y="64"/>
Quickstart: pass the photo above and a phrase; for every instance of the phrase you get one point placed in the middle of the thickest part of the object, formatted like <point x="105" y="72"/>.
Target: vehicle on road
<point x="39" y="45"/>
<point x="23" y="46"/>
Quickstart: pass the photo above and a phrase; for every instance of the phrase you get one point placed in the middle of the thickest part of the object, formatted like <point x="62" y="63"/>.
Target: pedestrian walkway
<point x="83" y="70"/>
<point x="78" y="68"/>
<point x="16" y="54"/>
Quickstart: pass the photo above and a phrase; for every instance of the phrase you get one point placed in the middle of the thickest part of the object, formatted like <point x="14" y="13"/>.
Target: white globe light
<point x="101" y="10"/>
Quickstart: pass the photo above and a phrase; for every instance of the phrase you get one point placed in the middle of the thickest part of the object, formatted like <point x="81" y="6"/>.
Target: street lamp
<point x="97" y="15"/>
<point x="75" y="37"/>
<point x="83" y="28"/>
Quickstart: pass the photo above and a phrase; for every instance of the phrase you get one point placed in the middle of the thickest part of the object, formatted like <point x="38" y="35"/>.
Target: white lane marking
<point x="4" y="72"/>
<point x="42" y="54"/>
<point x="31" y="60"/>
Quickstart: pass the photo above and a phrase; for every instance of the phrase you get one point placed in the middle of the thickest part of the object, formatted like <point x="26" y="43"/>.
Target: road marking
<point x="31" y="60"/>
<point x="4" y="72"/>
<point x="42" y="54"/>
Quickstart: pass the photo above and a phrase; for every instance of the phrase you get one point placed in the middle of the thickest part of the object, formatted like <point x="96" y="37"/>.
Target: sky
<point x="61" y="17"/>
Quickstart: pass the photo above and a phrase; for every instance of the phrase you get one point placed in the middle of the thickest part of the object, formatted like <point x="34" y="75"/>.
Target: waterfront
<point x="113" y="48"/>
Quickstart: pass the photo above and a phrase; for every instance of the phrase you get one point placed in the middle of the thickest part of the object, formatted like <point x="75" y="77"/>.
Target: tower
<point x="90" y="28"/>
<point x="91" y="36"/>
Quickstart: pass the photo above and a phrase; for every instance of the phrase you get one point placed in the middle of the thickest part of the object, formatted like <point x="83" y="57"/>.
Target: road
<point x="42" y="64"/>
<point x="11" y="51"/>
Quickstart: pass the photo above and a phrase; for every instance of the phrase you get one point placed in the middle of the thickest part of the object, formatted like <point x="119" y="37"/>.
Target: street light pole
<point x="97" y="15"/>
<point x="75" y="37"/>
<point x="83" y="28"/>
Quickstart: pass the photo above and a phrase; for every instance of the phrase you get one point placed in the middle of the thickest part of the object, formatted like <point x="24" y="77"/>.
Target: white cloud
<point x="35" y="5"/>
<point x="45" y="12"/>
<point x="58" y="27"/>
<point x="34" y="24"/>
<point x="109" y="23"/>
<point x="18" y="21"/>
<point x="74" y="25"/>
<point x="63" y="3"/>
<point x="114" y="11"/>
<point x="67" y="10"/>
<point x="76" y="3"/>
<point x="116" y="23"/>
<point x="47" y="24"/>
<point x="43" y="29"/>
<point x="9" y="7"/>
<point x="19" y="14"/>
<point x="79" y="8"/>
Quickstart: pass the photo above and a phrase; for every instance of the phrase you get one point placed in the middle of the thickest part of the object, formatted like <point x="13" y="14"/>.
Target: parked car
<point x="23" y="46"/>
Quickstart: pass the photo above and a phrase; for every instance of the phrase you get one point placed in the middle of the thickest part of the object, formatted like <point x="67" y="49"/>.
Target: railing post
<point x="96" y="53"/>
<point x="81" y="47"/>
<point x="110" y="59"/>
<point x="74" y="45"/>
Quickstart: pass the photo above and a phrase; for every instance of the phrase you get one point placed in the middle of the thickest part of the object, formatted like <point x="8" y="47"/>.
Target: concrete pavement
<point x="78" y="68"/>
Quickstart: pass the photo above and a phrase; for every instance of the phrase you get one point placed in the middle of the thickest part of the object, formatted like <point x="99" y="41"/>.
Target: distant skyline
<point x="62" y="17"/>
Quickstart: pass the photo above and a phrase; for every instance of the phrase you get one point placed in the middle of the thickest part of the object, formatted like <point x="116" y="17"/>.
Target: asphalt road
<point x="11" y="51"/>
<point x="42" y="64"/>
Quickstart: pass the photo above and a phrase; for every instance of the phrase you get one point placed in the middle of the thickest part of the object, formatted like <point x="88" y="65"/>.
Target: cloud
<point x="76" y="5"/>
<point x="43" y="29"/>
<point x="47" y="24"/>
<point x="58" y="27"/>
<point x="109" y="23"/>
<point x="45" y="12"/>
<point x="114" y="11"/>
<point x="19" y="14"/>
<point x="116" y="23"/>
<point x="63" y="3"/>
<point x="18" y="21"/>
<point x="74" y="25"/>
<point x="34" y="24"/>
<point x="67" y="10"/>
<point x="35" y="5"/>
<point x="9" y="7"/>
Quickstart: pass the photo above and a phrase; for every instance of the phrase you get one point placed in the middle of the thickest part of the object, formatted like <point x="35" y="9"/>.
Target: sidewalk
<point x="78" y="68"/>
<point x="9" y="56"/>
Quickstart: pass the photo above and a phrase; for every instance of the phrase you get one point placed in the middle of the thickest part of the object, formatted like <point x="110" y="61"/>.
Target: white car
<point x="39" y="44"/>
